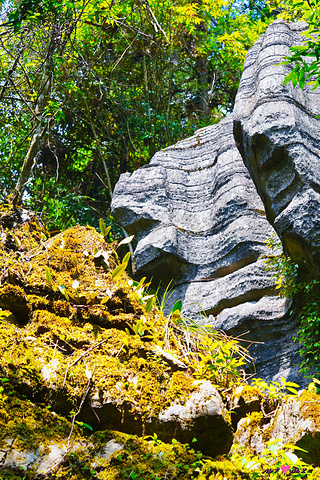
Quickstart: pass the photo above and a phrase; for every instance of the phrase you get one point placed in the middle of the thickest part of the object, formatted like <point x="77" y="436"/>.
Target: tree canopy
<point x="305" y="58"/>
<point x="91" y="89"/>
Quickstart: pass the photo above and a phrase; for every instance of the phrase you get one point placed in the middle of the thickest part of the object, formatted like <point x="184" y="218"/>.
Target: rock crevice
<point x="277" y="134"/>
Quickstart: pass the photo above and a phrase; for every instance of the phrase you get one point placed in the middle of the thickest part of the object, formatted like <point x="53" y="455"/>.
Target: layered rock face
<point x="201" y="220"/>
<point x="278" y="136"/>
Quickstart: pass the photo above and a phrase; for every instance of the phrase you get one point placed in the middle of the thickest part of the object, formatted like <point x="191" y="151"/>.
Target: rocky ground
<point x="97" y="383"/>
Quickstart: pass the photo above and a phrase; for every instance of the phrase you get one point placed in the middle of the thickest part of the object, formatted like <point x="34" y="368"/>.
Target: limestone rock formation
<point x="202" y="416"/>
<point x="198" y="218"/>
<point x="277" y="133"/>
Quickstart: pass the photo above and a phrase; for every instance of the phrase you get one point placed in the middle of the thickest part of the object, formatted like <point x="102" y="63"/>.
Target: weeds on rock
<point x="286" y="281"/>
<point x="68" y="353"/>
<point x="284" y="270"/>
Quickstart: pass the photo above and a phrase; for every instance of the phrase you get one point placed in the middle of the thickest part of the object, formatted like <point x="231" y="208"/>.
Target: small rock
<point x="203" y="417"/>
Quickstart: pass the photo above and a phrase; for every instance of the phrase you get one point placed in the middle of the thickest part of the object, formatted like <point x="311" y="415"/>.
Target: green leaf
<point x="289" y="77"/>
<point x="150" y="303"/>
<point x="119" y="270"/>
<point x="74" y="260"/>
<point x="103" y="228"/>
<point x="126" y="258"/>
<point x="64" y="292"/>
<point x="294" y="447"/>
<point x="82" y="424"/>
<point x="294" y="80"/>
<point x="48" y="275"/>
<point x="292" y="390"/>
<point x="301" y="79"/>
<point x="292" y="384"/>
<point x="177" y="306"/>
<point x="140" y="284"/>
<point x="16" y="239"/>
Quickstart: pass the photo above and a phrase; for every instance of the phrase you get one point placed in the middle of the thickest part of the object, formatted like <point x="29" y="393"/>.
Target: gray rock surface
<point x="278" y="136"/>
<point x="296" y="422"/>
<point x="203" y="417"/>
<point x="199" y="220"/>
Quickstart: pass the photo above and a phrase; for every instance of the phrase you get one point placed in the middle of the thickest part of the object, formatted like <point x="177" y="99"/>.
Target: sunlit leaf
<point x="177" y="306"/>
<point x="48" y="275"/>
<point x="64" y="292"/>
<point x="126" y="258"/>
<point x="126" y="240"/>
<point x="118" y="271"/>
<point x="150" y="303"/>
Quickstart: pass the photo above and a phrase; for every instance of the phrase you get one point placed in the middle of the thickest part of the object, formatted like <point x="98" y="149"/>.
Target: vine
<point x="286" y="281"/>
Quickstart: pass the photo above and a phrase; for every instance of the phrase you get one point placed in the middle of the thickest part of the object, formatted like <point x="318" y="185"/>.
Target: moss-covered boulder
<point x="95" y="382"/>
<point x="83" y="349"/>
<point x="295" y="421"/>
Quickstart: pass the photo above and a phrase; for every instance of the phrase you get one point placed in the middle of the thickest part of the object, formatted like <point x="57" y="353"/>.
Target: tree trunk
<point x="15" y="197"/>
<point x="202" y="73"/>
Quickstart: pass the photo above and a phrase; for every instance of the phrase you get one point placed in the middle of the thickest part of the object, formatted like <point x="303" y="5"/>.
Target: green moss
<point x="30" y="425"/>
<point x="35" y="302"/>
<point x="310" y="407"/>
<point x="248" y="393"/>
<point x="181" y="386"/>
<point x="256" y="419"/>
<point x="64" y="350"/>
<point x="12" y="297"/>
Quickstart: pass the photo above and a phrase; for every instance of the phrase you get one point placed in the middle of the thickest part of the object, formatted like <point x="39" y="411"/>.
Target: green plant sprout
<point x="275" y="461"/>
<point x="103" y="228"/>
<point x="285" y="271"/>
<point x="120" y="269"/>
<point x="138" y="328"/>
<point x="275" y="389"/>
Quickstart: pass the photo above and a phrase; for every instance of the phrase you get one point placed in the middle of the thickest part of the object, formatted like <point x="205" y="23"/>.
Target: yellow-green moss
<point x="13" y="298"/>
<point x="30" y="425"/>
<point x="248" y="393"/>
<point x="256" y="419"/>
<point x="310" y="407"/>
<point x="63" y="343"/>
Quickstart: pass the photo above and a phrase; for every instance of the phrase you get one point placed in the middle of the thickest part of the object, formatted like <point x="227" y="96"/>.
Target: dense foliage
<point x="305" y="58"/>
<point x="92" y="89"/>
<point x="305" y="292"/>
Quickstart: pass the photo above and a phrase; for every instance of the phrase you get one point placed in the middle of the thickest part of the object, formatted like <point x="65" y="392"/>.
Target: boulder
<point x="199" y="221"/>
<point x="203" y="417"/>
<point x="295" y="422"/>
<point x="277" y="133"/>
